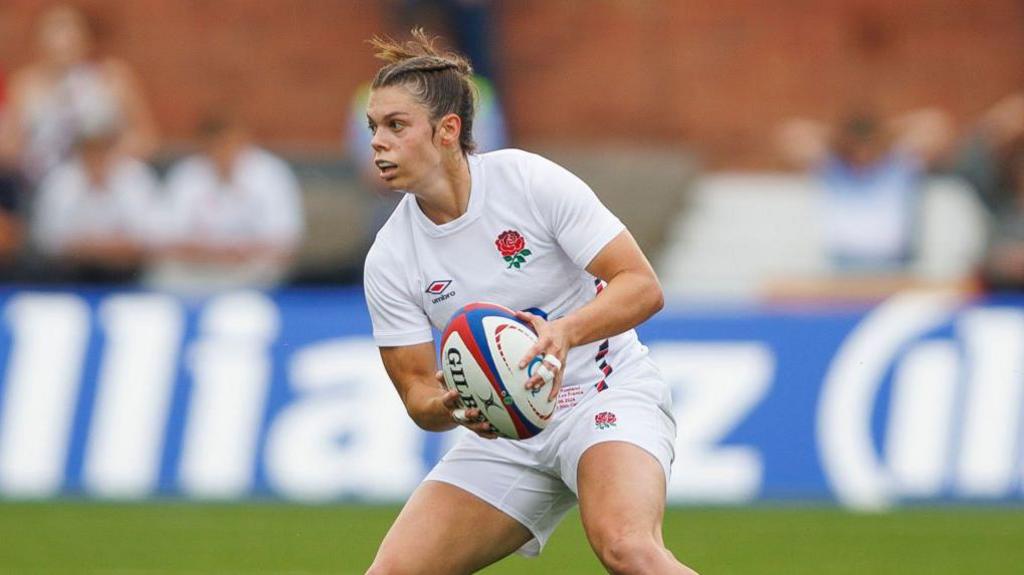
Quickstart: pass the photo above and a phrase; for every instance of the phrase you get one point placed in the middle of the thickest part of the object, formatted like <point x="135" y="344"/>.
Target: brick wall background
<point x="714" y="75"/>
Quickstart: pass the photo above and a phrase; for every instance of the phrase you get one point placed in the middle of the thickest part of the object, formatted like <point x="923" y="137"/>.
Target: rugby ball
<point x="480" y="352"/>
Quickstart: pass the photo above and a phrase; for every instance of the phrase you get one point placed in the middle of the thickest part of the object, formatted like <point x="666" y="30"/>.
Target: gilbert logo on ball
<point x="480" y="352"/>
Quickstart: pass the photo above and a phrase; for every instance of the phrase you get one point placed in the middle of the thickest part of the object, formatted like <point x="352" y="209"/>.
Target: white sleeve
<point x="397" y="319"/>
<point x="580" y="223"/>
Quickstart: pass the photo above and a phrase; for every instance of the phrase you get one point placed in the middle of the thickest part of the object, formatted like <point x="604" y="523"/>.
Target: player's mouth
<point x="387" y="169"/>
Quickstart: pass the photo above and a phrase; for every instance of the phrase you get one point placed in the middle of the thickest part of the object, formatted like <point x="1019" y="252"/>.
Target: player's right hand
<point x="468" y="418"/>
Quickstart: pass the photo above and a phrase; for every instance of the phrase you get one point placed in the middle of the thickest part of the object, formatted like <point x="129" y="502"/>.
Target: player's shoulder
<point x="377" y="256"/>
<point x="504" y="155"/>
<point x="529" y="164"/>
<point x="392" y="240"/>
<point x="512" y="157"/>
<point x="514" y="166"/>
<point x="383" y="264"/>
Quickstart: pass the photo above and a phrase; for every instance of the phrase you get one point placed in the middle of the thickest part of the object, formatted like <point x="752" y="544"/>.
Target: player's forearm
<point x="628" y="299"/>
<point x="423" y="403"/>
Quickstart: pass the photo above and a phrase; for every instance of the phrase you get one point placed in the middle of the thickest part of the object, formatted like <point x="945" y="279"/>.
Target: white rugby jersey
<point x="529" y="232"/>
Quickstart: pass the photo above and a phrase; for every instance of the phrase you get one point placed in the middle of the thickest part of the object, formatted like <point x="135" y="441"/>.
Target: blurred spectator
<point x="992" y="161"/>
<point x="68" y="89"/>
<point x="233" y="214"/>
<point x="10" y="220"/>
<point x="94" y="212"/>
<point x="871" y="171"/>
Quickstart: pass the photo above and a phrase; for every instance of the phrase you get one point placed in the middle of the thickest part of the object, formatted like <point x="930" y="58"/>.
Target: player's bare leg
<point x="444" y="529"/>
<point x="622" y="503"/>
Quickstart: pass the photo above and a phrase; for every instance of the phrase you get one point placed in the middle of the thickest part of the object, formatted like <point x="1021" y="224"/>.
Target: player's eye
<point x="396" y="125"/>
<point x="372" y="128"/>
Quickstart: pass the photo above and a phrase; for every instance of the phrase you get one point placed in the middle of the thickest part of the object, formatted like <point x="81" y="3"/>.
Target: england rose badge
<point x="512" y="246"/>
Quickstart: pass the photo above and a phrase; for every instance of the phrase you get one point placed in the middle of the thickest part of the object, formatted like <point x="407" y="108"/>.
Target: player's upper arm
<point x="622" y="254"/>
<point x="577" y="219"/>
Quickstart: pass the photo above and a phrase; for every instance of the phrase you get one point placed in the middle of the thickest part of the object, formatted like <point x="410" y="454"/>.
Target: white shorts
<point x="534" y="480"/>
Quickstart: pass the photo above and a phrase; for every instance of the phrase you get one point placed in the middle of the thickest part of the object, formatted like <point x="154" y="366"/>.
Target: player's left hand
<point x="551" y="349"/>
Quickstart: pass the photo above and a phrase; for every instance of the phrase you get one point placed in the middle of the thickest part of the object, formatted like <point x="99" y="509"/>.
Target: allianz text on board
<point x="131" y="395"/>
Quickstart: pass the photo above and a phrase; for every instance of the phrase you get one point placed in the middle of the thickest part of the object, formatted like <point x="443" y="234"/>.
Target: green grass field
<point x="124" y="539"/>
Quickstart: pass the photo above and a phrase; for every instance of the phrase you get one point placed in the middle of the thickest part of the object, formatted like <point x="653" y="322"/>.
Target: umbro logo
<point x="438" y="287"/>
<point x="441" y="289"/>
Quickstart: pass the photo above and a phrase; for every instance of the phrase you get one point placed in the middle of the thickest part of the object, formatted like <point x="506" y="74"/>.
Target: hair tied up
<point x="441" y="81"/>
<point x="422" y="48"/>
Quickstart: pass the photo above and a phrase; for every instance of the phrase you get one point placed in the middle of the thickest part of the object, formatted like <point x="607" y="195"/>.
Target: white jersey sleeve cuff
<point x="401" y="339"/>
<point x="594" y="247"/>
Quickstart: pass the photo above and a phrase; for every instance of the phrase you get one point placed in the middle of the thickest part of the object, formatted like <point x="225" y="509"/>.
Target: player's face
<point x="404" y="151"/>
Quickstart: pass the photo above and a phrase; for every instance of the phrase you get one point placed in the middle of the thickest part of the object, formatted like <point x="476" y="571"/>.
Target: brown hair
<point x="441" y="81"/>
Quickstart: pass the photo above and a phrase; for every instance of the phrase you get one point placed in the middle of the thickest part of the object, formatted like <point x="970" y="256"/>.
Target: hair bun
<point x="421" y="48"/>
<point x="442" y="81"/>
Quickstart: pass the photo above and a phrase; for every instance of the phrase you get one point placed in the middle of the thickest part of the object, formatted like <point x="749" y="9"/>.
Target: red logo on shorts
<point x="512" y="246"/>
<point x="604" y="420"/>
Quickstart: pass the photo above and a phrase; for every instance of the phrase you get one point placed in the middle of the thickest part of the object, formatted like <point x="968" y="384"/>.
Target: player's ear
<point x="449" y="129"/>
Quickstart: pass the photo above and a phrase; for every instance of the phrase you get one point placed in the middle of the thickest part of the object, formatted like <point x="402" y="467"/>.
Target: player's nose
<point x="378" y="142"/>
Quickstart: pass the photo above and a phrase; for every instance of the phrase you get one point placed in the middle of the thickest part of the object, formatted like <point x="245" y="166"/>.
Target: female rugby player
<point x="512" y="228"/>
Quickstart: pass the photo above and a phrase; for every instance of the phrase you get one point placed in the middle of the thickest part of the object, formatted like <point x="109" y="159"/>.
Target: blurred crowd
<point x="80" y="200"/>
<point x="871" y="171"/>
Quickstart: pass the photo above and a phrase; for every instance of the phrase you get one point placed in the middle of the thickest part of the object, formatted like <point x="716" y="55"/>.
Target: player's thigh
<point x="445" y="529"/>
<point x="621" y="490"/>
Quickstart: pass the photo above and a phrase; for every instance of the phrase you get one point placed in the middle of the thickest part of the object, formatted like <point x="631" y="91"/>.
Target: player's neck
<point x="446" y="197"/>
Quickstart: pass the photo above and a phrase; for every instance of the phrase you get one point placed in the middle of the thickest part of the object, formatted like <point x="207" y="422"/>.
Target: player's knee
<point x="627" y="554"/>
